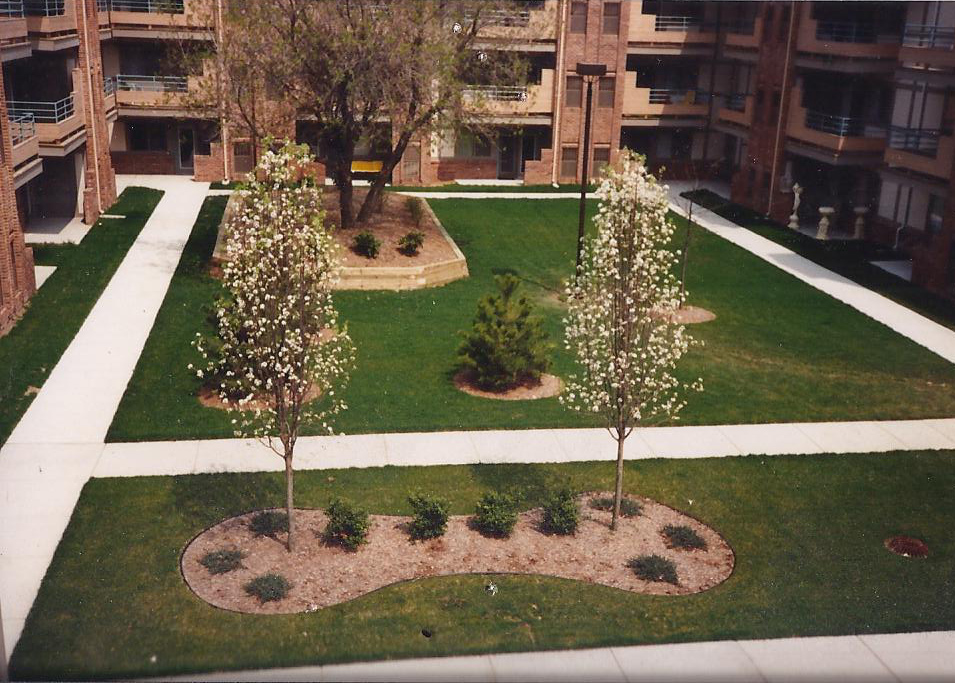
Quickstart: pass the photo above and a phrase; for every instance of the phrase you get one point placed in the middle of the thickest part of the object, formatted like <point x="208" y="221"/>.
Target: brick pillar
<point x="100" y="191"/>
<point x="17" y="280"/>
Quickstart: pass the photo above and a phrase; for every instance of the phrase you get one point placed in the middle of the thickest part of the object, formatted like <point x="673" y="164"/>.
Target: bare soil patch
<point x="546" y="387"/>
<point x="906" y="546"/>
<point x="323" y="575"/>
<point x="689" y="315"/>
<point x="211" y="399"/>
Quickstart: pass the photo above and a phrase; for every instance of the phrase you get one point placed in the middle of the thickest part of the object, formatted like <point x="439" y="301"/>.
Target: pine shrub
<point x="507" y="344"/>
<point x="683" y="537"/>
<point x="222" y="561"/>
<point x="268" y="523"/>
<point x="654" y="568"/>
<point x="496" y="515"/>
<point x="560" y="514"/>
<point x="347" y="525"/>
<point x="367" y="245"/>
<point x="411" y="243"/>
<point x="268" y="587"/>
<point x="628" y="506"/>
<point x="430" y="516"/>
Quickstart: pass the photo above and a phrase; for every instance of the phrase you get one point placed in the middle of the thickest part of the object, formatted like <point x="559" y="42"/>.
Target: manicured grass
<point x="454" y="187"/>
<point x="219" y="185"/>
<point x="33" y="347"/>
<point x="807" y="532"/>
<point x="779" y="350"/>
<point x="850" y="259"/>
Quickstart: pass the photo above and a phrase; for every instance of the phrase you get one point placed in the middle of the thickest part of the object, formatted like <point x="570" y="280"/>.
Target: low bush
<point x="347" y="525"/>
<point x="268" y="523"/>
<point x="496" y="514"/>
<point x="654" y="568"/>
<point x="628" y="506"/>
<point x="268" y="587"/>
<point x="222" y="561"/>
<point x="411" y="243"/>
<point x="560" y="514"/>
<point x="416" y="210"/>
<point x="430" y="516"/>
<point x="683" y="537"/>
<point x="367" y="245"/>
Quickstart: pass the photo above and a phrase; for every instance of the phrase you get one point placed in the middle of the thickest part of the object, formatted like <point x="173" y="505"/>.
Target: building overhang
<point x="27" y="172"/>
<point x="64" y="147"/>
<point x="127" y="111"/>
<point x="517" y="46"/>
<point x="670" y="49"/>
<point x="168" y="33"/>
<point x="657" y="122"/>
<point x="10" y="52"/>
<point x="935" y="77"/>
<point x="730" y="129"/>
<point x="828" y="156"/>
<point x="848" y="65"/>
<point x="54" y="43"/>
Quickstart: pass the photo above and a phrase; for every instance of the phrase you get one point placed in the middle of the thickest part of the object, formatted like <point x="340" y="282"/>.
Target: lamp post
<point x="590" y="73"/>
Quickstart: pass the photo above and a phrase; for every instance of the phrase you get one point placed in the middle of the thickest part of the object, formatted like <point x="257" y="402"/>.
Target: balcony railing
<point x="736" y="101"/>
<point x="667" y="23"/>
<point x="109" y="86"/>
<point x="498" y="93"/>
<point x="672" y="96"/>
<point x="915" y="140"/>
<point x="22" y="128"/>
<point x="44" y="8"/>
<point x="925" y="35"/>
<point x="846" y="32"/>
<point x="155" y="6"/>
<point x="128" y="83"/>
<point x="843" y="126"/>
<point x="43" y="112"/>
<point x="11" y="8"/>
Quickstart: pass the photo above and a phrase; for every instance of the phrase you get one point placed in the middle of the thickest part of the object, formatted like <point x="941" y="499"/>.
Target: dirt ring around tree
<point x="691" y="315"/>
<point x="547" y="387"/>
<point x="322" y="575"/>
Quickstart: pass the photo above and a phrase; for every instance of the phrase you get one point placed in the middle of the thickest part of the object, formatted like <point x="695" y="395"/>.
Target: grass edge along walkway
<point x="30" y="351"/>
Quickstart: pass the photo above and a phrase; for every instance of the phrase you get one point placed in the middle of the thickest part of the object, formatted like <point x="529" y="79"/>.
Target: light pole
<point x="590" y="73"/>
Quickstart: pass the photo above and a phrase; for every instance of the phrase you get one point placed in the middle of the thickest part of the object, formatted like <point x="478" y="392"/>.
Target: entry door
<point x="508" y="163"/>
<point x="187" y="149"/>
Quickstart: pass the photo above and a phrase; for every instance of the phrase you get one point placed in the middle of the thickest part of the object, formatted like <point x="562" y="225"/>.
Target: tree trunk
<point x="345" y="197"/>
<point x="288" y="502"/>
<point x="686" y="256"/>
<point x="618" y="489"/>
<point x="377" y="187"/>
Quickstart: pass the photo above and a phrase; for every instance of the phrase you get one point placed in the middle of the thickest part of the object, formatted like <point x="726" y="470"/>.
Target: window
<point x="146" y="136"/>
<point x="575" y="91"/>
<point x="471" y="146"/>
<point x="611" y="18"/>
<point x="578" y="17"/>
<point x="568" y="162"/>
<point x="935" y="216"/>
<point x="608" y="88"/>
<point x="601" y="160"/>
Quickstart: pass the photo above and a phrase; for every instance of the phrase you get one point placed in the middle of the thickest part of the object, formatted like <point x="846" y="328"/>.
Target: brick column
<point x="100" y="191"/>
<point x="17" y="280"/>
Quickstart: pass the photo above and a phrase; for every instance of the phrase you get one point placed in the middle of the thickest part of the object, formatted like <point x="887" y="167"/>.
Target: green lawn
<point x="780" y="351"/>
<point x="34" y="346"/>
<point x="850" y="259"/>
<point x="807" y="532"/>
<point x="454" y="187"/>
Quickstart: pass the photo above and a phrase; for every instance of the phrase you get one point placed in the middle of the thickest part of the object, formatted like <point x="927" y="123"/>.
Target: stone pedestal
<point x="824" y="214"/>
<point x="859" y="227"/>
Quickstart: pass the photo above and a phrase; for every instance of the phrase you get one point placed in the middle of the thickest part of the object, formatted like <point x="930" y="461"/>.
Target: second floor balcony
<point x="514" y="100"/>
<point x="929" y="36"/>
<point x="13" y="29"/>
<point x="667" y="28"/>
<point x="59" y="124"/>
<point x="11" y="9"/>
<point x="926" y="151"/>
<point x="25" y="139"/>
<point x="737" y="109"/>
<point x="837" y="134"/>
<point x="656" y="102"/>
<point x="52" y="20"/>
<point x="859" y="37"/>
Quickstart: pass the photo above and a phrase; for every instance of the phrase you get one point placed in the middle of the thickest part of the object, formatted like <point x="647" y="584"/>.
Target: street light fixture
<point x="590" y="73"/>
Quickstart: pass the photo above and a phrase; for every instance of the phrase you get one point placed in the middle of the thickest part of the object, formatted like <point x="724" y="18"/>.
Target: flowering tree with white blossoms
<point x="621" y="309"/>
<point x="280" y="360"/>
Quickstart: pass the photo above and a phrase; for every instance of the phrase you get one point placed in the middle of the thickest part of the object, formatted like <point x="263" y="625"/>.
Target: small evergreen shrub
<point x="507" y="344"/>
<point x="366" y="245"/>
<point x="654" y="568"/>
<point x="411" y="243"/>
<point x="416" y="210"/>
<point x="347" y="525"/>
<point x="683" y="537"/>
<point x="430" y="516"/>
<point x="560" y="513"/>
<point x="268" y="523"/>
<point x="628" y="506"/>
<point x="496" y="515"/>
<point x="268" y="587"/>
<point x="222" y="561"/>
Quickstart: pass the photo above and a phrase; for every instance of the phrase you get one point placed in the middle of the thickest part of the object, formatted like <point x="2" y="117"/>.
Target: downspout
<point x="561" y="78"/>
<point x="222" y="116"/>
<point x="91" y="107"/>
<point x="713" y="67"/>
<point x="784" y="90"/>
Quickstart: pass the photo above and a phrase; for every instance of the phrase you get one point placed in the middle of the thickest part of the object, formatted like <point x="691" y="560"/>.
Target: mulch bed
<point x="692" y="315"/>
<point x="906" y="546"/>
<point x="323" y="575"/>
<point x="546" y="387"/>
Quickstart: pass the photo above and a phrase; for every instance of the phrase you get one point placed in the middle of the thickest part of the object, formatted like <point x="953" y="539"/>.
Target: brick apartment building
<point x="854" y="102"/>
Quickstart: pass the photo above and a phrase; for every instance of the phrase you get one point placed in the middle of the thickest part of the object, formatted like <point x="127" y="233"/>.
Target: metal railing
<point x="843" y="126"/>
<point x="128" y="83"/>
<point x="22" y="128"/>
<point x="154" y="6"/>
<point x="736" y="101"/>
<point x="44" y="8"/>
<point x="916" y="140"/>
<point x="927" y="35"/>
<point x="666" y="23"/>
<point x="44" y="112"/>
<point x="109" y="86"/>
<point x="11" y="8"/>
<point x="846" y="32"/>
<point x="677" y="96"/>
<point x="498" y="93"/>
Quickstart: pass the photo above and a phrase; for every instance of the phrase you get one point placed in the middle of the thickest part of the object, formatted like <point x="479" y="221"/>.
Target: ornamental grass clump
<point x="654" y="568"/>
<point x="347" y="525"/>
<point x="222" y="561"/>
<point x="507" y="345"/>
<point x="683" y="537"/>
<point x="268" y="587"/>
<point x="560" y="514"/>
<point x="281" y="264"/>
<point x="496" y="514"/>
<point x="620" y="311"/>
<point x="430" y="516"/>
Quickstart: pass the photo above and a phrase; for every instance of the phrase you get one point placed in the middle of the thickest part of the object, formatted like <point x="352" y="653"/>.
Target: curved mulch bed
<point x="906" y="546"/>
<point x="548" y="386"/>
<point x="323" y="575"/>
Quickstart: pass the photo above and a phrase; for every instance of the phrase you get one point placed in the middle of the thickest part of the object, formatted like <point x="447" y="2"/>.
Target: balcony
<point x="664" y="29"/>
<point x="13" y="30"/>
<point x="743" y="33"/>
<point x="522" y="22"/>
<point x="53" y="21"/>
<point x="158" y="18"/>
<point x="738" y="110"/>
<point x="153" y="93"/>
<point x="514" y="100"/>
<point x="657" y="102"/>
<point x="928" y="44"/>
<point x="837" y="135"/>
<point x="109" y="96"/>
<point x="26" y="141"/>
<point x="59" y="125"/>
<point x="850" y="39"/>
<point x="925" y="151"/>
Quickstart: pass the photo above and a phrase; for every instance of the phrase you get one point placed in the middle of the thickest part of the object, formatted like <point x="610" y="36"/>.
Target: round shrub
<point x="628" y="506"/>
<point x="347" y="525"/>
<point x="560" y="514"/>
<point x="411" y="243"/>
<point x="268" y="523"/>
<point x="367" y="245"/>
<point x="654" y="568"/>
<point x="430" y="516"/>
<point x="268" y="587"/>
<point x="683" y="537"/>
<point x="496" y="515"/>
<point x="222" y="561"/>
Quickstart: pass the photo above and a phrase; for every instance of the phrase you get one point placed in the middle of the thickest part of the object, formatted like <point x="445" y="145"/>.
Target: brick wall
<point x="144" y="163"/>
<point x="447" y="170"/>
<point x="209" y="167"/>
